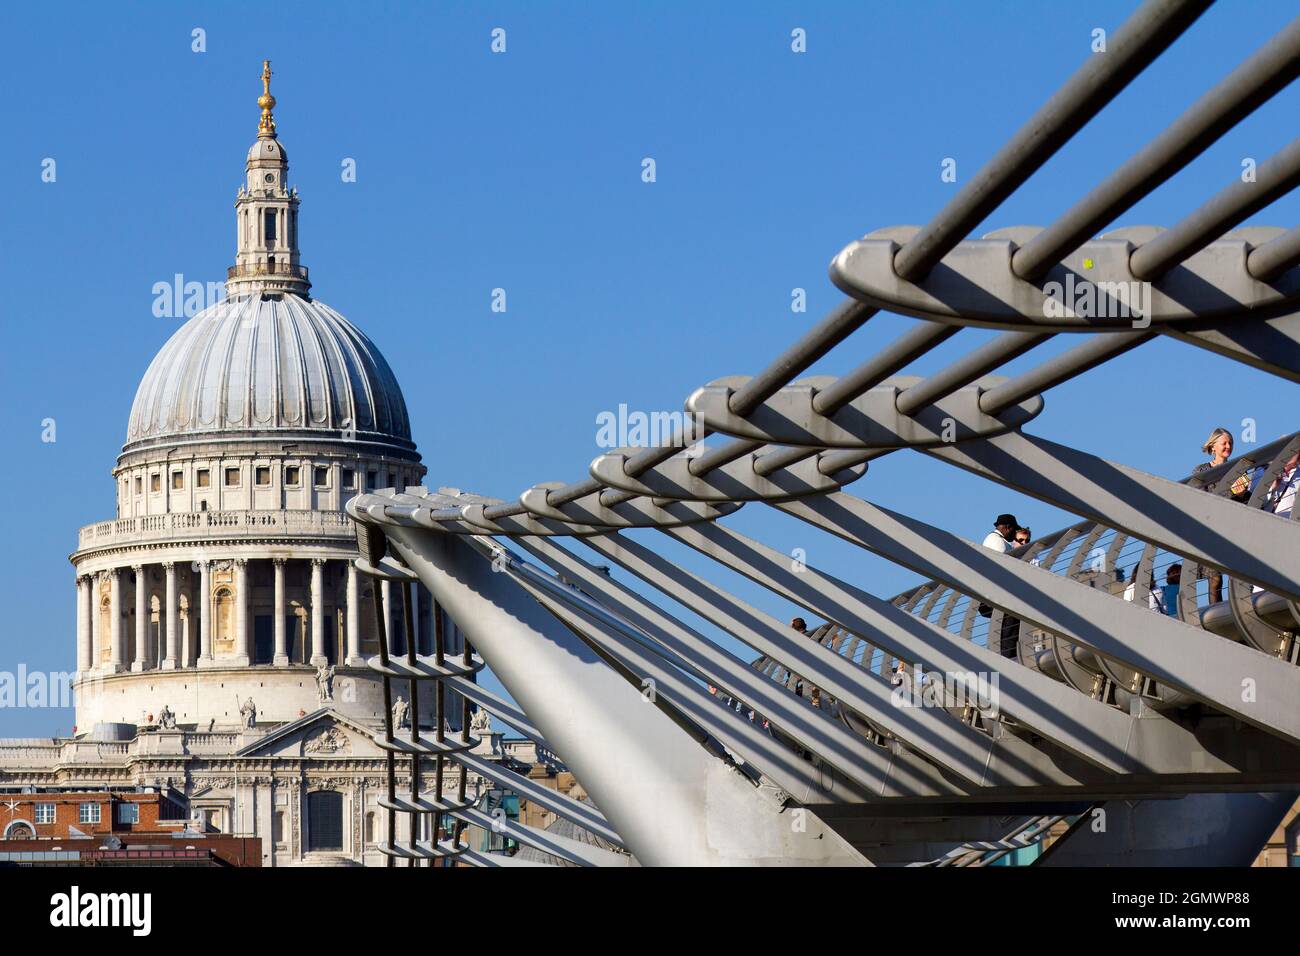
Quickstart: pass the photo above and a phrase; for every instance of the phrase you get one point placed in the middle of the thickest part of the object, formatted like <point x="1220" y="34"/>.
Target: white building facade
<point x="222" y="630"/>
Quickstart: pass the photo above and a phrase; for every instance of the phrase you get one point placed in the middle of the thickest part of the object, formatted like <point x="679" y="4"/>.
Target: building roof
<point x="252" y="364"/>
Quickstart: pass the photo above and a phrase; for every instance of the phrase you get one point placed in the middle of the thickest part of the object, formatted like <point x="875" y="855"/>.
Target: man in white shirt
<point x="1004" y="530"/>
<point x="1000" y="540"/>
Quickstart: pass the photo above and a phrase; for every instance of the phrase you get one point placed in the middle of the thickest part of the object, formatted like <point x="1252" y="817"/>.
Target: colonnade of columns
<point x="93" y="638"/>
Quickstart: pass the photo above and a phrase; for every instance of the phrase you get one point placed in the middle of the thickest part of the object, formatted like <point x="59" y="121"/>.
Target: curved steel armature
<point x="634" y="513"/>
<point x="872" y="420"/>
<point x="735" y="481"/>
<point x="473" y="516"/>
<point x="1091" y="289"/>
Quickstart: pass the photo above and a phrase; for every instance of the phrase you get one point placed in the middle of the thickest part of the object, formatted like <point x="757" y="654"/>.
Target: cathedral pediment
<point x="323" y="734"/>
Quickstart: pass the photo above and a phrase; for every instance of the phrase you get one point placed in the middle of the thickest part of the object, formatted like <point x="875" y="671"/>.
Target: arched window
<point x="224" y="620"/>
<point x="325" y="820"/>
<point x="20" y="830"/>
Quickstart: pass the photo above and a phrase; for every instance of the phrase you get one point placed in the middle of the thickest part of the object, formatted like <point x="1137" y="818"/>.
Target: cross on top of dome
<point x="266" y="126"/>
<point x="266" y="259"/>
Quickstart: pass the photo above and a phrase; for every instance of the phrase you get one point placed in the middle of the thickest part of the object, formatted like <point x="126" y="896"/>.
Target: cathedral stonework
<point x="222" y="629"/>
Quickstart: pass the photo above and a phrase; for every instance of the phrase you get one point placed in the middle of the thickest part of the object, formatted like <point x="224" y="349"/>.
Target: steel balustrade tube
<point x="1275" y="177"/>
<point x="1235" y="97"/>
<point x="890" y="360"/>
<point x="1094" y="351"/>
<point x="965" y="370"/>
<point x="1270" y="260"/>
<point x="842" y="322"/>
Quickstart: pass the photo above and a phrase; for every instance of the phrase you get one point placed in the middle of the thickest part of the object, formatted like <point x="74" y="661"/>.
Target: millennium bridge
<point x="1005" y="694"/>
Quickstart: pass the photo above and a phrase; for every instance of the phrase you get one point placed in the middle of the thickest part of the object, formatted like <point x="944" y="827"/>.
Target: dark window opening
<point x="325" y="820"/>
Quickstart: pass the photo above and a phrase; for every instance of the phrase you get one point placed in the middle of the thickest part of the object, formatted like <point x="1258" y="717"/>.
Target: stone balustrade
<point x="214" y="524"/>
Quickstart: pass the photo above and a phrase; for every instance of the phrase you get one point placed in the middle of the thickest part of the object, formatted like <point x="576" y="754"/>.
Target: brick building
<point x="61" y="814"/>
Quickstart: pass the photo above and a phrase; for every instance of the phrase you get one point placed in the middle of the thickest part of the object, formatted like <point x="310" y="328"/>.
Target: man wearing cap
<point x="1001" y="539"/>
<point x="1004" y="531"/>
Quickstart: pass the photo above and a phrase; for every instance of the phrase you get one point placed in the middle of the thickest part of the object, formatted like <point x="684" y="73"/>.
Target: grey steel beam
<point x="889" y="361"/>
<point x="1094" y="351"/>
<point x="1249" y="543"/>
<point x="1270" y="345"/>
<point x="929" y="731"/>
<point x="1094" y="289"/>
<point x="812" y="728"/>
<point x="584" y="815"/>
<point x="1136" y="752"/>
<point x="574" y="698"/>
<point x="740" y="741"/>
<point x="503" y="709"/>
<point x="842" y="322"/>
<point x="988" y="357"/>
<point x="592" y="510"/>
<point x="734" y="482"/>
<point x="1088" y="729"/>
<point x="1143" y="749"/>
<point x="725" y="454"/>
<point x="1234" y="679"/>
<point x="934" y="411"/>
<point x="566" y="848"/>
<point x="1275" y="177"/>
<point x="1235" y="97"/>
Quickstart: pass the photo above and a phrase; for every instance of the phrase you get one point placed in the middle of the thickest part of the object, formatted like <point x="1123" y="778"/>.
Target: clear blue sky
<point x="522" y="171"/>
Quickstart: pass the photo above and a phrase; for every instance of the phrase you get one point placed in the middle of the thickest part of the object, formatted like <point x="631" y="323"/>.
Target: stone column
<point x="85" y="592"/>
<point x="170" y="630"/>
<point x="205" y="614"/>
<point x="97" y="636"/>
<point x="143" y="658"/>
<point x="354" y="619"/>
<point x="281" y="648"/>
<point x="116" y="636"/>
<point x="317" y="611"/>
<point x="241" y="613"/>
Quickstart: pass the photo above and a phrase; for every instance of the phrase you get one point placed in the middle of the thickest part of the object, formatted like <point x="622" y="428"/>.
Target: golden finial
<point x="267" y="125"/>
